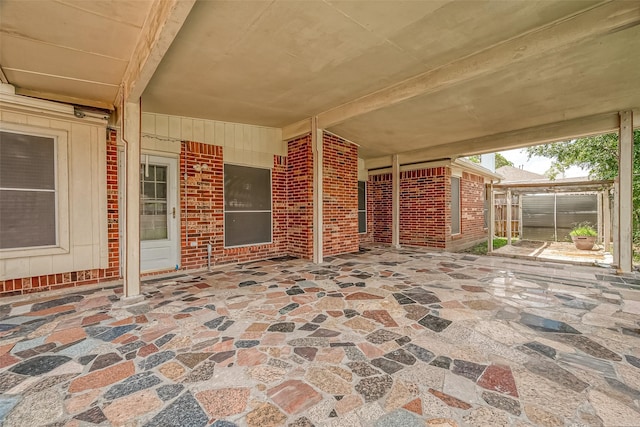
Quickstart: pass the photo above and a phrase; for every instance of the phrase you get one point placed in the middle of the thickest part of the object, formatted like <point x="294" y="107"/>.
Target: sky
<point x="537" y="164"/>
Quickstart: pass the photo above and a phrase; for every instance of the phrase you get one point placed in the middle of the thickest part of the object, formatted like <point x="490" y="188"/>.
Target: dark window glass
<point x="27" y="219"/>
<point x="27" y="191"/>
<point x="455" y="205"/>
<point x="246" y="188"/>
<point x="247" y="205"/>
<point x="26" y="161"/>
<point x="362" y="206"/>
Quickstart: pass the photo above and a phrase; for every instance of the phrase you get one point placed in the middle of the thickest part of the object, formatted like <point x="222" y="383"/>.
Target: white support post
<point x="616" y="223"/>
<point x="131" y="136"/>
<point x="508" y="216"/>
<point x="395" y="202"/>
<point x="555" y="217"/>
<point x="606" y="212"/>
<point x="625" y="204"/>
<point x="316" y="142"/>
<point x="520" y="216"/>
<point x="492" y="218"/>
<point x="600" y="217"/>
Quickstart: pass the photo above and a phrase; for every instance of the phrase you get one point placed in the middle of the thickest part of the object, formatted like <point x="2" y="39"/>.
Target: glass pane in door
<point x="153" y="202"/>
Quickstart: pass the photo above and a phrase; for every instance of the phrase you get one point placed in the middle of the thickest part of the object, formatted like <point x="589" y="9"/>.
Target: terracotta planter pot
<point x="584" y="243"/>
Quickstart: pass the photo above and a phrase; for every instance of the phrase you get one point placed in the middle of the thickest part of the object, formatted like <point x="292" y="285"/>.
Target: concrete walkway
<point x="381" y="338"/>
<point x="563" y="252"/>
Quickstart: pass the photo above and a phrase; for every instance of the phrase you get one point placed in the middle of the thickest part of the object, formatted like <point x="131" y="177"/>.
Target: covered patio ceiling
<point x="446" y="77"/>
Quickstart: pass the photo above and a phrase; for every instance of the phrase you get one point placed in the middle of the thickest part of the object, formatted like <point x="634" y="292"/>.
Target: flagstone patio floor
<point x="380" y="338"/>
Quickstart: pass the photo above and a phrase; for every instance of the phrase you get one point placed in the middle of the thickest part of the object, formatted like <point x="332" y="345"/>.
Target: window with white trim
<point x="28" y="191"/>
<point x="247" y="205"/>
<point x="362" y="206"/>
<point x="455" y="205"/>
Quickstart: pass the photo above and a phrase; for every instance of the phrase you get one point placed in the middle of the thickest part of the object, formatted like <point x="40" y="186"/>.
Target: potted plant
<point x="584" y="236"/>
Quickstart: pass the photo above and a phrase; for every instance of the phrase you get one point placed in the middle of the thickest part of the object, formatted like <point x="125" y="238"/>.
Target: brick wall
<point x="340" y="196"/>
<point x="202" y="204"/>
<point x="379" y="191"/>
<point x="425" y="208"/>
<point x="425" y="199"/>
<point x="300" y="197"/>
<point x="472" y="212"/>
<point x="26" y="285"/>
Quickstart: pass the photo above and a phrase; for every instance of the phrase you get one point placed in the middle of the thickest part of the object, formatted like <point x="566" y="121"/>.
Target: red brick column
<point x="380" y="206"/>
<point x="340" y="196"/>
<point x="201" y="202"/>
<point x="300" y="197"/>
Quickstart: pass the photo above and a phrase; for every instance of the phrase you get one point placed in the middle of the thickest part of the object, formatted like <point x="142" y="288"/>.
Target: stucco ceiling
<point x="73" y="48"/>
<point x="274" y="63"/>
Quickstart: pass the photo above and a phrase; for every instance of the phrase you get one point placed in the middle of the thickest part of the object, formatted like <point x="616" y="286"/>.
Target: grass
<point x="481" y="248"/>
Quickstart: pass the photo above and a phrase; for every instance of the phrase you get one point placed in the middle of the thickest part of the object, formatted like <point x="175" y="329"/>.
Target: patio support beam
<point x="602" y="19"/>
<point x="625" y="204"/>
<point x="164" y="20"/>
<point x="131" y="138"/>
<point x="492" y="218"/>
<point x="294" y="130"/>
<point x="395" y="202"/>
<point x="318" y="226"/>
<point x="520" y="138"/>
<point x="509" y="217"/>
<point x="606" y="213"/>
<point x="160" y="28"/>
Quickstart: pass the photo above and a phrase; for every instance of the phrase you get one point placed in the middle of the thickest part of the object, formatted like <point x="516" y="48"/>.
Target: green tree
<point x="500" y="160"/>
<point x="598" y="155"/>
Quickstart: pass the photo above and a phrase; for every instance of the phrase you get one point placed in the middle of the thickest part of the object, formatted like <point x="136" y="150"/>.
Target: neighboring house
<point x="513" y="174"/>
<point x="547" y="210"/>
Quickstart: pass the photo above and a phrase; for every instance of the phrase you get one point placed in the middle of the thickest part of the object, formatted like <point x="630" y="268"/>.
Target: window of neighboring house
<point x="455" y="205"/>
<point x="362" y="206"/>
<point x="247" y="205"/>
<point x="28" y="191"/>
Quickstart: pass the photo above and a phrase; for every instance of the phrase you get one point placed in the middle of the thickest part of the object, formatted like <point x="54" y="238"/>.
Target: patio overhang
<point x="561" y="186"/>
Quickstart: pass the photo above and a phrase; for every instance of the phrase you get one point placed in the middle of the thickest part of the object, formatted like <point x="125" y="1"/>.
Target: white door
<point x="159" y="213"/>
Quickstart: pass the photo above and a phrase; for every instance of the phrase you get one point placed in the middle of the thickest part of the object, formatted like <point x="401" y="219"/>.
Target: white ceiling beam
<point x="552" y="132"/>
<point x="163" y="22"/>
<point x="601" y="19"/>
<point x="296" y="129"/>
<point x="3" y="78"/>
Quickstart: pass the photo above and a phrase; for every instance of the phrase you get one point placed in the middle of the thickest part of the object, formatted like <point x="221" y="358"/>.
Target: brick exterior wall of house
<point x="379" y="204"/>
<point x="425" y="209"/>
<point x="202" y="204"/>
<point x="340" y="196"/>
<point x="425" y="216"/>
<point x="300" y="197"/>
<point x="472" y="228"/>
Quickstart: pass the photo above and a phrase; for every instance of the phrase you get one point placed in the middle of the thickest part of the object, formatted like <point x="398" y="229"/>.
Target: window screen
<point x="247" y="205"/>
<point x="455" y="205"/>
<point x="362" y="206"/>
<point x="27" y="191"/>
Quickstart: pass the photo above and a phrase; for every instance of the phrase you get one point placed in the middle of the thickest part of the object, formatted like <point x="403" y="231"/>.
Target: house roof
<point x="513" y="174"/>
<point x="426" y="79"/>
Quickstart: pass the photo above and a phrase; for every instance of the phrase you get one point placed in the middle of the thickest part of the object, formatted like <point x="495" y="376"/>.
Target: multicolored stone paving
<point x="380" y="338"/>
